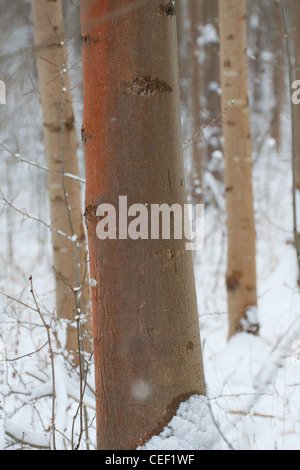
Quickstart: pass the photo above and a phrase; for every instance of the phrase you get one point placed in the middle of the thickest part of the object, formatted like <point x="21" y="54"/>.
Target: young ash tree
<point x="241" y="256"/>
<point x="147" y="341"/>
<point x="68" y="237"/>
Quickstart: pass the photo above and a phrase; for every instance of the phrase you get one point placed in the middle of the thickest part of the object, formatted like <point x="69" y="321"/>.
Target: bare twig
<point x="29" y="354"/>
<point x="47" y="328"/>
<point x="50" y="227"/>
<point x="20" y="436"/>
<point x="40" y="167"/>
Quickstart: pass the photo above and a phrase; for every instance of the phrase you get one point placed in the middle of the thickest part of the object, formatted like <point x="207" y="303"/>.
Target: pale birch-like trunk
<point x="69" y="260"/>
<point x="278" y="76"/>
<point x="241" y="256"/>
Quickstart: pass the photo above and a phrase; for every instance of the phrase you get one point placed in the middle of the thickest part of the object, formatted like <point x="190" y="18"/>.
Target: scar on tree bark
<point x="168" y="9"/>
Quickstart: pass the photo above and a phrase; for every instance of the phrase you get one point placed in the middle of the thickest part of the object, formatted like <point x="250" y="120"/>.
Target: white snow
<point x="24" y="436"/>
<point x="208" y="35"/>
<point x="191" y="429"/>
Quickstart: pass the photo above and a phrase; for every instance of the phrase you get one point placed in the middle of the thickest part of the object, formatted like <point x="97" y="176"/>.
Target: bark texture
<point x="241" y="257"/>
<point x="147" y="341"/>
<point x="183" y="38"/>
<point x="212" y="83"/>
<point x="197" y="87"/>
<point x="278" y="76"/>
<point x="295" y="19"/>
<point x="61" y="152"/>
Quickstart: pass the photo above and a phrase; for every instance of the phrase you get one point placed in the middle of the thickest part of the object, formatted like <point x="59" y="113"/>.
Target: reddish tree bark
<point x="147" y="342"/>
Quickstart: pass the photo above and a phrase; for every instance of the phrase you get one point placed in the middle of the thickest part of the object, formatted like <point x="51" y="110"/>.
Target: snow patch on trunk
<point x="191" y="429"/>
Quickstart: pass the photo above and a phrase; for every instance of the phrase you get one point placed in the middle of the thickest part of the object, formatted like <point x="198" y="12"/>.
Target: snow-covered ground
<point x="253" y="383"/>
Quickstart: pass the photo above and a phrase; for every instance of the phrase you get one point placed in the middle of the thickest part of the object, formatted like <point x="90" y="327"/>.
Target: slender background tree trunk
<point x="183" y="36"/>
<point x="241" y="256"/>
<point x="196" y="89"/>
<point x="295" y="22"/>
<point x="278" y="76"/>
<point x="211" y="68"/>
<point x="147" y="342"/>
<point x="61" y="145"/>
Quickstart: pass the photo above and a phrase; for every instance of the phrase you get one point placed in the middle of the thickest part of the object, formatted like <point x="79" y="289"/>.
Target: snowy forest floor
<point x="253" y="383"/>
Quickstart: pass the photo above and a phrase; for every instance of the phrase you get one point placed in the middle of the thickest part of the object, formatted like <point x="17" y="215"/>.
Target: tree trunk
<point x="241" y="259"/>
<point x="195" y="11"/>
<point x="147" y="342"/>
<point x="278" y="76"/>
<point x="189" y="15"/>
<point x="295" y="18"/>
<point x="212" y="83"/>
<point x="69" y="261"/>
<point x="183" y="50"/>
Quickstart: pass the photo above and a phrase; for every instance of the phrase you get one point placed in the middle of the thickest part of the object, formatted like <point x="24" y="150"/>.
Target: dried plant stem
<point x="48" y="331"/>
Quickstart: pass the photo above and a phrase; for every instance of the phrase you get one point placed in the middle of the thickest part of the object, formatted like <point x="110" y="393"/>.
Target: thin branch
<point x="40" y="167"/>
<point x="35" y="219"/>
<point x="20" y="436"/>
<point x="27" y="355"/>
<point x="19" y="302"/>
<point x="213" y="416"/>
<point x="47" y="328"/>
